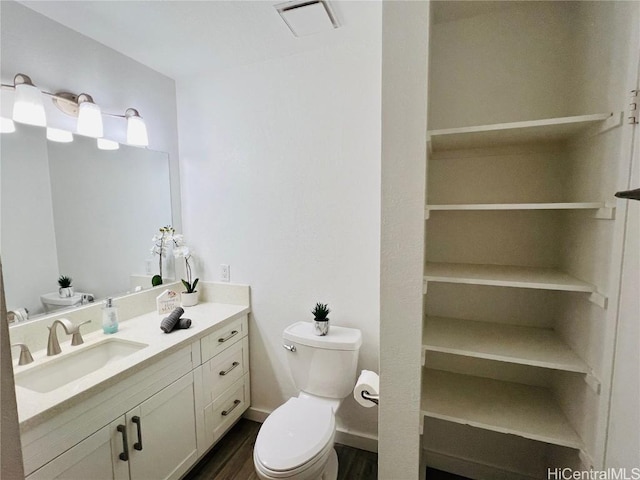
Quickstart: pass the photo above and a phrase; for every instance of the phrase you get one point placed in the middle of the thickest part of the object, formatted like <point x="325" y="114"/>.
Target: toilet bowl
<point x="296" y="441"/>
<point x="53" y="301"/>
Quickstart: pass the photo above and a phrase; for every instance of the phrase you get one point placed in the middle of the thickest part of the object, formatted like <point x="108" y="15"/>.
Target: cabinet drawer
<point x="223" y="338"/>
<point x="223" y="370"/>
<point x="221" y="414"/>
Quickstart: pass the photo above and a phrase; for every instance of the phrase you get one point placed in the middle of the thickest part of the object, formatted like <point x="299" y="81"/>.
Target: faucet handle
<point x="25" y="354"/>
<point x="76" y="338"/>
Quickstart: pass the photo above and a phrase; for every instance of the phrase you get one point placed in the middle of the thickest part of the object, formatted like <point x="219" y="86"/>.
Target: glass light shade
<point x="137" y="131"/>
<point x="104" y="144"/>
<point x="89" y="120"/>
<point x="58" y="135"/>
<point x="7" y="125"/>
<point x="27" y="105"/>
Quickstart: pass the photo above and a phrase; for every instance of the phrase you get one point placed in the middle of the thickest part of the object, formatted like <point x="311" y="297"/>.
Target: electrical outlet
<point x="225" y="273"/>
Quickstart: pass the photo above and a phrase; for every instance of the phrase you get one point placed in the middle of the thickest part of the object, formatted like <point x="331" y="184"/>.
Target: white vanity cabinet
<point x="156" y="439"/>
<point x="224" y="379"/>
<point x="154" y="424"/>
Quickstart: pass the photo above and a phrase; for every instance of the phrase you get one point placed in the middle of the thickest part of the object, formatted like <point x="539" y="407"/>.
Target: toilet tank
<point x="325" y="366"/>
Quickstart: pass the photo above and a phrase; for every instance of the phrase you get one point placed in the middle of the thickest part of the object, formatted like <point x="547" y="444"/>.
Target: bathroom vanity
<point x="150" y="405"/>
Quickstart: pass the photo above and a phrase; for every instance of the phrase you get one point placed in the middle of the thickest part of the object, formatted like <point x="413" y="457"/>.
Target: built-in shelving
<point x="504" y="276"/>
<point x="495" y="405"/>
<point x="538" y="347"/>
<point x="519" y="206"/>
<point x="552" y="129"/>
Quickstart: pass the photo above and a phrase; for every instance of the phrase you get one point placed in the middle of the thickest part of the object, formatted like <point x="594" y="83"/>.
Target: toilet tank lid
<point x="338" y="338"/>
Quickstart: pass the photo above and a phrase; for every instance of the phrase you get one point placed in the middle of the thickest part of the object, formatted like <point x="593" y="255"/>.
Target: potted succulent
<point x="65" y="289"/>
<point x="321" y="319"/>
<point x="190" y="295"/>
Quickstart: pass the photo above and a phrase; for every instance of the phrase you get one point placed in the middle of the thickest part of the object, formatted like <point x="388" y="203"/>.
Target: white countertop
<point x="35" y="408"/>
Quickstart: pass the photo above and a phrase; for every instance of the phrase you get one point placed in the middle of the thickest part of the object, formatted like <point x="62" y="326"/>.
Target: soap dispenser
<point x="109" y="316"/>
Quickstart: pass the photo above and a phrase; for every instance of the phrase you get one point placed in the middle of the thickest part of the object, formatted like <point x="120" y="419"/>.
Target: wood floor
<point x="232" y="459"/>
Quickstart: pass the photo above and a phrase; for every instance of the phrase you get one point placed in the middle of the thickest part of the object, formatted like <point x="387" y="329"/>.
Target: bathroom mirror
<point x="72" y="209"/>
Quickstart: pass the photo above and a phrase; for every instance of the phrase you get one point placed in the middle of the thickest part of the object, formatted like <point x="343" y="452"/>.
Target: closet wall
<point x="522" y="248"/>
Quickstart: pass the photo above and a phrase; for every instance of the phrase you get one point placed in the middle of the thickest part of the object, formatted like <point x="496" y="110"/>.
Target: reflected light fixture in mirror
<point x="7" y="125"/>
<point x="89" y="117"/>
<point x="104" y="144"/>
<point x="136" y="129"/>
<point x="58" y="135"/>
<point x="27" y="105"/>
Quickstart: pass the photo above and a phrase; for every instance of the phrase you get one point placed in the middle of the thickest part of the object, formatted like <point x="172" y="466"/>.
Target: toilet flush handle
<point x="291" y="348"/>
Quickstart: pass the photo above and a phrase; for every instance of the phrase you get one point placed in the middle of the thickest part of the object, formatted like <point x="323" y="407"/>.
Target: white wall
<point x="404" y="129"/>
<point x="280" y="168"/>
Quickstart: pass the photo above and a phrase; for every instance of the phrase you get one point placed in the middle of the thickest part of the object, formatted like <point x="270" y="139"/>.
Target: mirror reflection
<point x="73" y="210"/>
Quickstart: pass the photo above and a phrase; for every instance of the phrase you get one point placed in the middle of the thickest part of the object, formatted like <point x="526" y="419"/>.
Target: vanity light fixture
<point x="89" y="117"/>
<point x="104" y="144"/>
<point x="28" y="108"/>
<point x="136" y="128"/>
<point x="59" y="135"/>
<point x="7" y="125"/>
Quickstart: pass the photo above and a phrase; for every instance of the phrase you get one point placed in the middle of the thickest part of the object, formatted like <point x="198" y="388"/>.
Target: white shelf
<point x="505" y="276"/>
<point x="520" y="206"/>
<point x="551" y="129"/>
<point x="495" y="405"/>
<point x="538" y="347"/>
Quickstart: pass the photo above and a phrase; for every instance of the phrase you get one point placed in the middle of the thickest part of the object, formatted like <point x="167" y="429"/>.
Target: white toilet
<point x="296" y="440"/>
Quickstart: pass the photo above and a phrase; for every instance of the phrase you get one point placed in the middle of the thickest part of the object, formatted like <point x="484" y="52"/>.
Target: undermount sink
<point x="71" y="366"/>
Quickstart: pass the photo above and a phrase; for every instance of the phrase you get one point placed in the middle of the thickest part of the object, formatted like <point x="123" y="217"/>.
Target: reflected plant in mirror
<point x="167" y="237"/>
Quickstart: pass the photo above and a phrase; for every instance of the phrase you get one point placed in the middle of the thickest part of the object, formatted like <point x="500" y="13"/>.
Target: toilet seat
<point x="296" y="436"/>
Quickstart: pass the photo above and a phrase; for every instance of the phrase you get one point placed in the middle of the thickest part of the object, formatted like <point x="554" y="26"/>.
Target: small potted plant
<point x="65" y="289"/>
<point x="321" y="319"/>
<point x="161" y="241"/>
<point x="190" y="295"/>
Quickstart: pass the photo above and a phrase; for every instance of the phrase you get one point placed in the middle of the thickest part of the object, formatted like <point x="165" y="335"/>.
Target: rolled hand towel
<point x="170" y="322"/>
<point x="183" y="323"/>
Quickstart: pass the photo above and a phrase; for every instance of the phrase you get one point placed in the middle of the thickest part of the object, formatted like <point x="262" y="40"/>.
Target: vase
<point x="189" y="299"/>
<point x="65" y="292"/>
<point x="321" y="327"/>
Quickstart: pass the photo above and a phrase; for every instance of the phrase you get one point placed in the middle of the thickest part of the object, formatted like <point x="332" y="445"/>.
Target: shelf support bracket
<point x="586" y="459"/>
<point x="421" y="424"/>
<point x="425" y="284"/>
<point x="599" y="299"/>
<point x="427" y="213"/>
<point x="423" y="356"/>
<point x="608" y="212"/>
<point x="593" y="382"/>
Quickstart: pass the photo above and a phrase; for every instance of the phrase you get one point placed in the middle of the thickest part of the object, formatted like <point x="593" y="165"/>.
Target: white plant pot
<point x="65" y="292"/>
<point x="321" y="328"/>
<point x="189" y="299"/>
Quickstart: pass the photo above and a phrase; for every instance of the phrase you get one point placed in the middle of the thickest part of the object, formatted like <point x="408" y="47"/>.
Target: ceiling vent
<point x="307" y="17"/>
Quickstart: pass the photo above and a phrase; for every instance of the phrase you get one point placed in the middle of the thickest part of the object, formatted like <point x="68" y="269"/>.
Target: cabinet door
<point x="94" y="458"/>
<point x="162" y="433"/>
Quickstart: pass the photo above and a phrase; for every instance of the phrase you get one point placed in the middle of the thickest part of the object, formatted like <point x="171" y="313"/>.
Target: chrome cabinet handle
<point x="224" y="372"/>
<point x="136" y="419"/>
<point x="224" y="339"/>
<point x="236" y="402"/>
<point x="124" y="456"/>
<point x="629" y="194"/>
<point x="291" y="348"/>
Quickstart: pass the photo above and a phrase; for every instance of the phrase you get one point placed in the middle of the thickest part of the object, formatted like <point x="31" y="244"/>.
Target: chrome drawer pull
<point x="232" y="334"/>
<point x="233" y="365"/>
<point x="227" y="412"/>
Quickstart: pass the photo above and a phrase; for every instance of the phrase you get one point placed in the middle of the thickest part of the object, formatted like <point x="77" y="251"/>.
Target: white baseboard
<point x="471" y="468"/>
<point x="360" y="440"/>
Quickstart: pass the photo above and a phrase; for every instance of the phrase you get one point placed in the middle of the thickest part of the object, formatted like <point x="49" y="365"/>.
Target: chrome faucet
<point x="25" y="354"/>
<point x="53" y="345"/>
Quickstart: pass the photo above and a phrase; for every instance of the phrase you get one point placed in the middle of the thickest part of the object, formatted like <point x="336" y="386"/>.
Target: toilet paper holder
<point x="372" y="398"/>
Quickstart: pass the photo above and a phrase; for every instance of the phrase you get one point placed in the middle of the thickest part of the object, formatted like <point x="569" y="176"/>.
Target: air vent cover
<point x="307" y="17"/>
